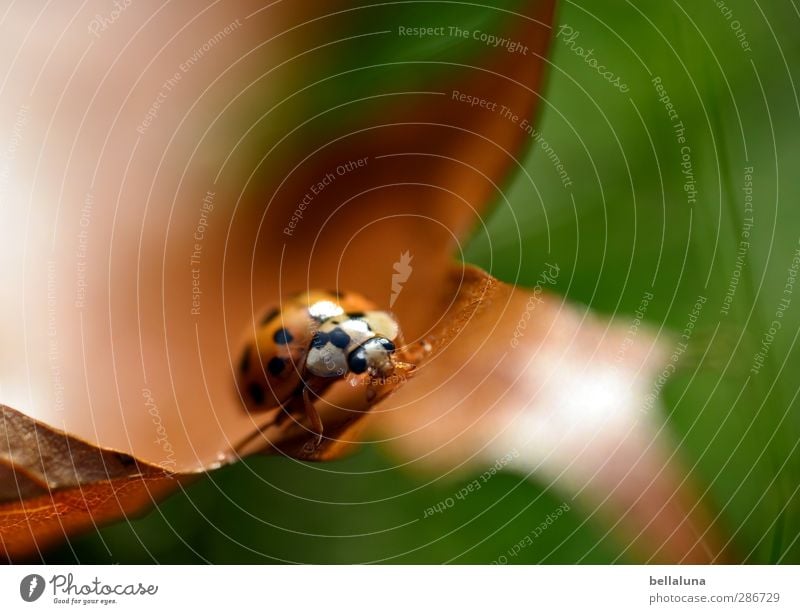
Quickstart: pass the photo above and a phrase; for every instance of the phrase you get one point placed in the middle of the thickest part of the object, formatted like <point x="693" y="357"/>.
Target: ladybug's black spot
<point x="355" y="314"/>
<point x="256" y="393"/>
<point x="319" y="339"/>
<point x="282" y="336"/>
<point x="339" y="338"/>
<point x="276" y="365"/>
<point x="357" y="361"/>
<point x="269" y="316"/>
<point x="244" y="364"/>
<point x="387" y="345"/>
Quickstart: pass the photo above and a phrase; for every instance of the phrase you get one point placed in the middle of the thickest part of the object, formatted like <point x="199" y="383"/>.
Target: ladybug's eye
<point x="387" y="345"/>
<point x="357" y="361"/>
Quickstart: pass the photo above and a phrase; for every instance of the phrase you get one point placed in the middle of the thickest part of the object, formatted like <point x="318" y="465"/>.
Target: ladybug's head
<point x="375" y="356"/>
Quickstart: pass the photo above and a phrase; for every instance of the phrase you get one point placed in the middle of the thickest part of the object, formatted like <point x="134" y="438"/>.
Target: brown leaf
<point x="51" y="459"/>
<point x="97" y="281"/>
<point x="53" y="485"/>
<point x="519" y="370"/>
<point x="116" y="353"/>
<point x="29" y="526"/>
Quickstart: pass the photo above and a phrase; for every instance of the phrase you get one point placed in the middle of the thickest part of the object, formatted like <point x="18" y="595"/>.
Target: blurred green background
<point x="623" y="227"/>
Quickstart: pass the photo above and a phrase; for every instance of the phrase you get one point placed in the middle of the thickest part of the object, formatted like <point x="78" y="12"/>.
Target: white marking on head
<point x="322" y="310"/>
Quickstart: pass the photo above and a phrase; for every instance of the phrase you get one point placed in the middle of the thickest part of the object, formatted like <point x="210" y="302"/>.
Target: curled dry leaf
<point x="52" y="484"/>
<point x="139" y="247"/>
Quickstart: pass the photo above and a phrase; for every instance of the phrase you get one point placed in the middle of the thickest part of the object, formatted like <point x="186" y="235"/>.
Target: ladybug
<point x="315" y="339"/>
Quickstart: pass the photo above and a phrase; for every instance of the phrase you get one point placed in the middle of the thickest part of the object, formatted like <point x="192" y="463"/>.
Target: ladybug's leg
<point x="292" y="407"/>
<point x="315" y="422"/>
<point x="284" y="412"/>
<point x="301" y="402"/>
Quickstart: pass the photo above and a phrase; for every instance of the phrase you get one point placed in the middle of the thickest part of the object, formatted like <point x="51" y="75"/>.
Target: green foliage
<point x="359" y="510"/>
<point x="632" y="229"/>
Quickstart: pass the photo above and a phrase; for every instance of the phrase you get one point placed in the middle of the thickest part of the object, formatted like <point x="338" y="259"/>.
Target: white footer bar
<point x="388" y="589"/>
